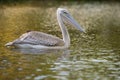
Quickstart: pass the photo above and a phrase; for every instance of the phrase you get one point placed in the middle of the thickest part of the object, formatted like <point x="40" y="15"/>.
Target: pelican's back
<point x="38" y="38"/>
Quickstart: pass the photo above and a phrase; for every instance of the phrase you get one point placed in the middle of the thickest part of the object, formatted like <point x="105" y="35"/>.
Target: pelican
<point x="40" y="40"/>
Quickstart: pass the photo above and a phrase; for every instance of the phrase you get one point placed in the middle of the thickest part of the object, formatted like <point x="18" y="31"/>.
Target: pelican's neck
<point x="64" y="30"/>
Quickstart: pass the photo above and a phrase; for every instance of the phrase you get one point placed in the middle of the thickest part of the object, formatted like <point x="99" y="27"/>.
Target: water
<point x="91" y="56"/>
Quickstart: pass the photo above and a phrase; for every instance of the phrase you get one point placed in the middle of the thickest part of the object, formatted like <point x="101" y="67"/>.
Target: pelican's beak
<point x="68" y="18"/>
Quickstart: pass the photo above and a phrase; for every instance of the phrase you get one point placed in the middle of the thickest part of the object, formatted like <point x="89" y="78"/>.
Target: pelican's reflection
<point x="40" y="57"/>
<point x="37" y="61"/>
<point x="38" y="51"/>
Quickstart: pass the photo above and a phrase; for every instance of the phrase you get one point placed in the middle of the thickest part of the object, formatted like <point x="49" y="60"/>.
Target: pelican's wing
<point x="39" y="38"/>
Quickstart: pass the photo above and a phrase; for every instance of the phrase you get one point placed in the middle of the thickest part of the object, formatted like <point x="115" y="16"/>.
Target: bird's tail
<point x="9" y="44"/>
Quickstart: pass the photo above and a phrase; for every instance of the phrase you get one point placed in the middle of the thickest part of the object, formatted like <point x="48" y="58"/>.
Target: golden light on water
<point x="94" y="55"/>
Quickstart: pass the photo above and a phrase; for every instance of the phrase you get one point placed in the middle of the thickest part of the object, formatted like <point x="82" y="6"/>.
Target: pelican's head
<point x="67" y="18"/>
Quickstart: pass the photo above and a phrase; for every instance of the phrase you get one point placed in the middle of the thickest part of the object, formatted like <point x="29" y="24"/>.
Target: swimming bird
<point x="40" y="40"/>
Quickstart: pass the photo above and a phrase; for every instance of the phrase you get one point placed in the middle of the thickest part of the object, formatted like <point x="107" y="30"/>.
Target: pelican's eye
<point x="65" y="12"/>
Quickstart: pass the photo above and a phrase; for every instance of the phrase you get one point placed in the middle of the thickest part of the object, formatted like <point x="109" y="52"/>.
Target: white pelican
<point x="40" y="40"/>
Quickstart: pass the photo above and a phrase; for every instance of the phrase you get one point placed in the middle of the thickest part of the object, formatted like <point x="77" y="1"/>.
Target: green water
<point x="94" y="55"/>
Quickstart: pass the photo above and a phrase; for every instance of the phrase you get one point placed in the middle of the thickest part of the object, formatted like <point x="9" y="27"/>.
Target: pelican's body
<point x="35" y="39"/>
<point x="39" y="40"/>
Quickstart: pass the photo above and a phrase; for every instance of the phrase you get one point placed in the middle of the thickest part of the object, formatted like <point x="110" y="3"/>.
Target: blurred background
<point x="91" y="56"/>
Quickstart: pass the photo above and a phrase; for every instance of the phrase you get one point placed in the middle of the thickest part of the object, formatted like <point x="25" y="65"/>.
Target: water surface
<point x="91" y="56"/>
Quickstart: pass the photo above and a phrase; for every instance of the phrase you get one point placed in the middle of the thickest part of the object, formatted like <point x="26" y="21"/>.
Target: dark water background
<point x="91" y="56"/>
